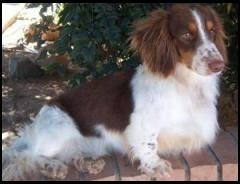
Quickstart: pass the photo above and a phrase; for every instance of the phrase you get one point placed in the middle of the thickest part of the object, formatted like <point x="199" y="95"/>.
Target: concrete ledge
<point x="218" y="162"/>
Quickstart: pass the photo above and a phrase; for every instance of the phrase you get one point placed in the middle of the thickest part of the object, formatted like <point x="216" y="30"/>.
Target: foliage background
<point x="95" y="36"/>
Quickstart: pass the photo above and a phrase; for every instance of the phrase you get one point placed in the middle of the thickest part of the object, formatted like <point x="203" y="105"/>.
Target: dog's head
<point x="190" y="34"/>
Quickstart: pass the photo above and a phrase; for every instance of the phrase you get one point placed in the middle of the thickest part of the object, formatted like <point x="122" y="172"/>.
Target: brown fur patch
<point x="186" y="57"/>
<point x="157" y="38"/>
<point x="106" y="101"/>
<point x="209" y="25"/>
<point x="192" y="27"/>
<point x="152" y="40"/>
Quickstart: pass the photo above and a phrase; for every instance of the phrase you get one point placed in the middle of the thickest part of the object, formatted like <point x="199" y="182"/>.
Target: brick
<point x="178" y="173"/>
<point x="202" y="166"/>
<point x="204" y="173"/>
<point x="227" y="152"/>
<point x="230" y="172"/>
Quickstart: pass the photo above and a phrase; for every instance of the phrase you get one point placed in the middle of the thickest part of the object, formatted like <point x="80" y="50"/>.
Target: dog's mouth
<point x="216" y="66"/>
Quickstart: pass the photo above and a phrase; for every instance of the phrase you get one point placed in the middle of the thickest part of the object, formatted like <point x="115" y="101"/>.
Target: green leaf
<point x="86" y="27"/>
<point x="229" y="7"/>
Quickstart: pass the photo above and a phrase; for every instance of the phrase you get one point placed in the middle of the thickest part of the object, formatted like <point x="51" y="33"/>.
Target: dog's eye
<point x="187" y="36"/>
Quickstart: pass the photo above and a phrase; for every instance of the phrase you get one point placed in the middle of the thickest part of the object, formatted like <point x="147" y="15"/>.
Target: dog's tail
<point x="18" y="160"/>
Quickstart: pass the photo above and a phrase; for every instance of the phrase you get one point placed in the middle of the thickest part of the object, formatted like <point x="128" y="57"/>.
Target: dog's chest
<point x="171" y="106"/>
<point x="181" y="118"/>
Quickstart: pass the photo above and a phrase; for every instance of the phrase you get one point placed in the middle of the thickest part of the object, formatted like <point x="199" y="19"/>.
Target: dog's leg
<point x="150" y="162"/>
<point x="143" y="146"/>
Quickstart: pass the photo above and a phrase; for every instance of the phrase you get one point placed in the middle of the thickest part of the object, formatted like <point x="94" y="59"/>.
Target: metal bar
<point x="235" y="139"/>
<point x="185" y="166"/>
<point x="116" y="167"/>
<point x="218" y="162"/>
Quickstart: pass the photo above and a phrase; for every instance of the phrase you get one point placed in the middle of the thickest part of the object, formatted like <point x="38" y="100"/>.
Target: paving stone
<point x="202" y="166"/>
<point x="227" y="152"/>
<point x="230" y="172"/>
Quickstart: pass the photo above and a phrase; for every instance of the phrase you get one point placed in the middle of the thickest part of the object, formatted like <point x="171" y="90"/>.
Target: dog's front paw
<point x="54" y="169"/>
<point x="95" y="166"/>
<point x="161" y="168"/>
<point x="89" y="165"/>
<point x="164" y="168"/>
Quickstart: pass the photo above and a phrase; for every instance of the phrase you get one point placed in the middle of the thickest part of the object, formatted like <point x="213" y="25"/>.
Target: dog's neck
<point x="183" y="79"/>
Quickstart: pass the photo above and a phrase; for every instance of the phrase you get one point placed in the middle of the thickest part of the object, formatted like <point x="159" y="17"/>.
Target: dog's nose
<point x="216" y="65"/>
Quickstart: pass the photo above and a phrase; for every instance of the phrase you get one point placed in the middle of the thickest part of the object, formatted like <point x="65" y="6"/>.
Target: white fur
<point x="51" y="131"/>
<point x="54" y="131"/>
<point x="113" y="141"/>
<point x="206" y="50"/>
<point x="172" y="115"/>
<point x="53" y="138"/>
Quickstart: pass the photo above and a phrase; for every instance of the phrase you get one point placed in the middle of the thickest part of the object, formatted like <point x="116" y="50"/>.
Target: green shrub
<point x="95" y="35"/>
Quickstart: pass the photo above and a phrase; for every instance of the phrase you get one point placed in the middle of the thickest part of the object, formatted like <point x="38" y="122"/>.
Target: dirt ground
<point x="23" y="99"/>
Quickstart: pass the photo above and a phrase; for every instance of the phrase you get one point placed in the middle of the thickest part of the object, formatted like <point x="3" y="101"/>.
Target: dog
<point x="167" y="105"/>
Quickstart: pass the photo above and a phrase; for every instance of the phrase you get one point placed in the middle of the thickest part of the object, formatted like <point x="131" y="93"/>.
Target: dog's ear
<point x="152" y="40"/>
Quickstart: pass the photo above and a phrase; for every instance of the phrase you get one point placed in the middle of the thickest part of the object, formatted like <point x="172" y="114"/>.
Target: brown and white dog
<point x="167" y="105"/>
